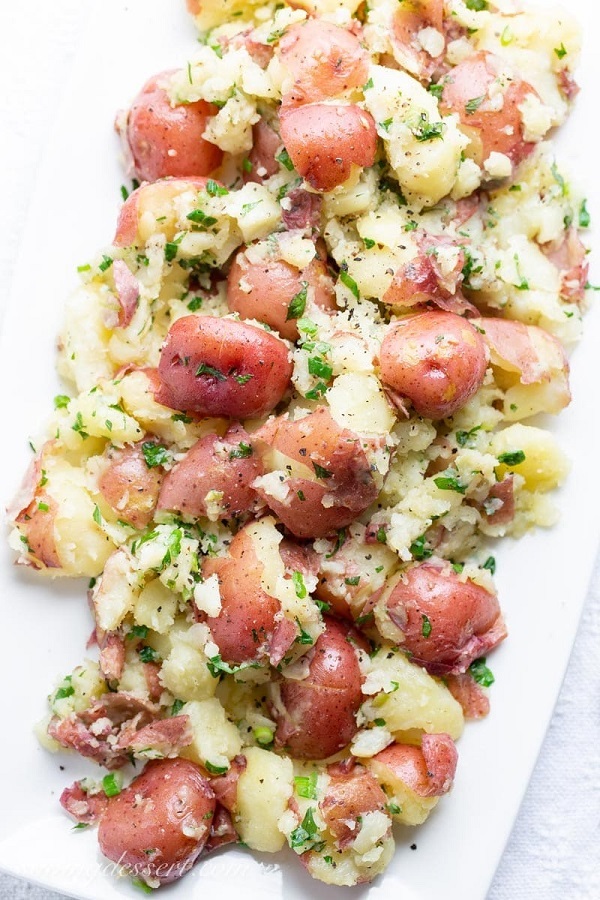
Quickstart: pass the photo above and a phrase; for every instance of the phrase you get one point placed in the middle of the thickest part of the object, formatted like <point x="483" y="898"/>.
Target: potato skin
<point x="427" y="770"/>
<point x="324" y="141"/>
<point x="273" y="284"/>
<point x="155" y="129"/>
<point x="446" y="622"/>
<point x="318" y="443"/>
<point x="220" y="367"/>
<point x="244" y="627"/>
<point x="144" y="198"/>
<point x="494" y="130"/>
<point x="150" y="814"/>
<point x="213" y="464"/>
<point x="435" y="359"/>
<point x="129" y="485"/>
<point x="320" y="710"/>
<point x="324" y="60"/>
<point x="351" y="793"/>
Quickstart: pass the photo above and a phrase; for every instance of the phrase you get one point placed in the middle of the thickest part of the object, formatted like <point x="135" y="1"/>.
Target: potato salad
<point x="300" y="401"/>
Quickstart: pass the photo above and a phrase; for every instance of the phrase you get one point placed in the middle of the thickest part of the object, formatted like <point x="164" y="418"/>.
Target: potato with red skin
<point x="410" y="18"/>
<point x="264" y="290"/>
<point x="427" y="770"/>
<point x="158" y="826"/>
<point x="467" y="93"/>
<point x="220" y="367"/>
<point x="129" y="485"/>
<point x="351" y="793"/>
<point x="325" y="141"/>
<point x="324" y="61"/>
<point x="316" y="717"/>
<point x="166" y="140"/>
<point x="244" y="628"/>
<point x="445" y="623"/>
<point x="228" y="465"/>
<point x="265" y="144"/>
<point x="148" y="198"/>
<point x="435" y="359"/>
<point x="329" y="481"/>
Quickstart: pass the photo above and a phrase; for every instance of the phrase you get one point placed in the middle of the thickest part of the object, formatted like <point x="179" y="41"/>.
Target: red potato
<point x="227" y="465"/>
<point x="424" y="280"/>
<point x="84" y="806"/>
<point x="127" y="290"/>
<point x="339" y="483"/>
<point x="302" y="210"/>
<point x="244" y="628"/>
<point x="447" y="623"/>
<point x="569" y="255"/>
<point x="473" y="699"/>
<point x="351" y="793"/>
<point x="145" y="199"/>
<point x="265" y="144"/>
<point x="410" y="18"/>
<point x="95" y="732"/>
<point x="129" y="485"/>
<point x="436" y="359"/>
<point x="264" y="290"/>
<point x="220" y="367"/>
<point x="471" y="92"/>
<point x="427" y="770"/>
<point x="317" y="716"/>
<point x="33" y="510"/>
<point x="112" y="655"/>
<point x="325" y="141"/>
<point x="158" y="826"/>
<point x="167" y="140"/>
<point x="324" y="61"/>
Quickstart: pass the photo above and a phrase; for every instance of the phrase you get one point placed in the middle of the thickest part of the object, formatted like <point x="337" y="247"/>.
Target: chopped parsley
<point x="464" y="438"/>
<point x="481" y="673"/>
<point x="299" y="586"/>
<point x="490" y="565"/>
<point x="154" y="454"/>
<point x="284" y="159"/>
<point x="61" y="401"/>
<point x="561" y="51"/>
<point x="215" y="770"/>
<point x="320" y="471"/>
<point x="419" y="548"/>
<point x="450" y="481"/>
<point x="110" y="785"/>
<point x="348" y="281"/>
<point x="471" y="106"/>
<point x="426" y="130"/>
<point x="584" y="216"/>
<point x="306" y="785"/>
<point x="302" y="838"/>
<point x="512" y="457"/>
<point x="177" y="707"/>
<point x="297" y="304"/>
<point x="242" y="451"/>
<point x="78" y="427"/>
<point x="148" y="655"/>
<point x="199" y="217"/>
<point x="204" y="369"/>
<point x="425" y="626"/>
<point x="214" y="189"/>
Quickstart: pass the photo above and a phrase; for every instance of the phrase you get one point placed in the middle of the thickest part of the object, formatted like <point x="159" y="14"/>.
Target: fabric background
<point x="553" y="851"/>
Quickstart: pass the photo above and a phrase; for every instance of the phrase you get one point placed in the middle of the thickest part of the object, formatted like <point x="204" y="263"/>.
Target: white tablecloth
<point x="553" y="851"/>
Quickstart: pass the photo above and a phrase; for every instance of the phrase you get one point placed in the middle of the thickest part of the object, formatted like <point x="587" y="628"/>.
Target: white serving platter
<point x="46" y="624"/>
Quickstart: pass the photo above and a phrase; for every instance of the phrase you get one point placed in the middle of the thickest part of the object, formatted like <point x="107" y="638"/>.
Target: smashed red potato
<point x="301" y="376"/>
